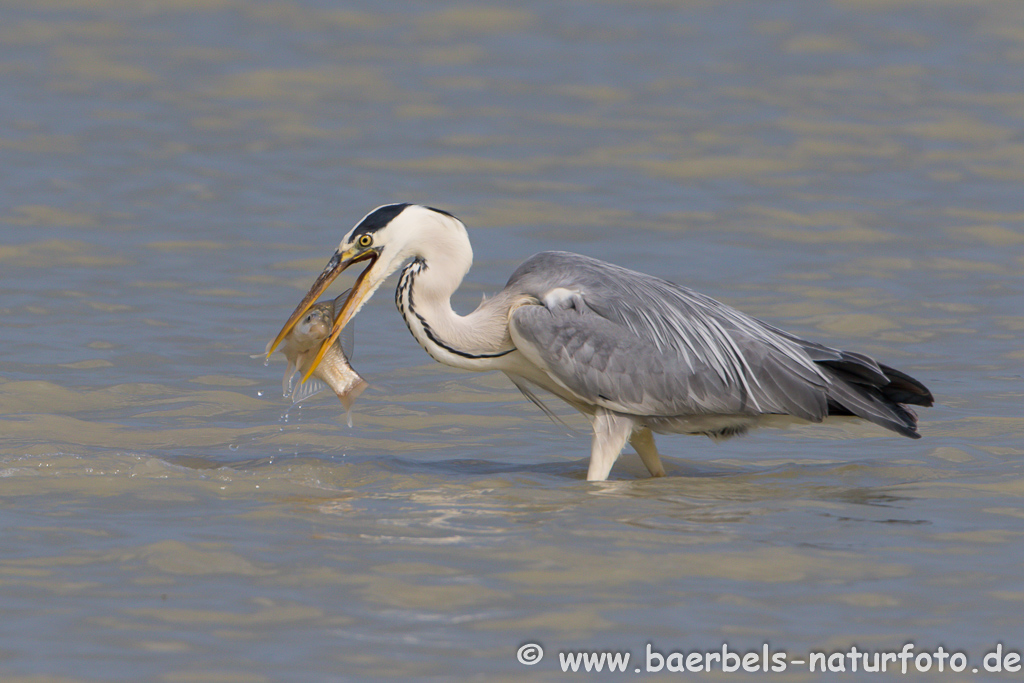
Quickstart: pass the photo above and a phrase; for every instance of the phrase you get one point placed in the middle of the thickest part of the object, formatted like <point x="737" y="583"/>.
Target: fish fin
<point x="286" y="381"/>
<point x="348" y="335"/>
<point x="311" y="387"/>
<point x="350" y="396"/>
<point x="347" y="339"/>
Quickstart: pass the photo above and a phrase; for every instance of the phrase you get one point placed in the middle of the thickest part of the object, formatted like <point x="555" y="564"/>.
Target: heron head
<point x="385" y="238"/>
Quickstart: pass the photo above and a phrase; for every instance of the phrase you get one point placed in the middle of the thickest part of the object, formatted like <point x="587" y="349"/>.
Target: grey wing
<point x="598" y="365"/>
<point x="639" y="345"/>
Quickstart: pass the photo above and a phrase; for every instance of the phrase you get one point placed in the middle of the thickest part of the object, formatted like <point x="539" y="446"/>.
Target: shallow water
<point x="176" y="173"/>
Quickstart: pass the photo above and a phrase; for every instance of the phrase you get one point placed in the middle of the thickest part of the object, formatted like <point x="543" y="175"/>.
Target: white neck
<point x="441" y="257"/>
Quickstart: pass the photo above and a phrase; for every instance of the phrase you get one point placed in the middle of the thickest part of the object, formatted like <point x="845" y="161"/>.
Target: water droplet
<point x="259" y="393"/>
<point x="266" y="361"/>
<point x="233" y="447"/>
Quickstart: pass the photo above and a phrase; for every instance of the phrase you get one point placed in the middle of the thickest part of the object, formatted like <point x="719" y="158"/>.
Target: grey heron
<point x="634" y="353"/>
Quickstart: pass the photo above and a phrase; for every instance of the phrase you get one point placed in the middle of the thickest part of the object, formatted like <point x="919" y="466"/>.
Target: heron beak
<point x="338" y="263"/>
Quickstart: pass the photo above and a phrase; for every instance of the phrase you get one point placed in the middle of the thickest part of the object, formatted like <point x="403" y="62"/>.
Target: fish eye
<point x="365" y="240"/>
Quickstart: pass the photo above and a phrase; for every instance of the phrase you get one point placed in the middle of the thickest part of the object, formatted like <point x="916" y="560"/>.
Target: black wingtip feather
<point x="903" y="388"/>
<point x="879" y="403"/>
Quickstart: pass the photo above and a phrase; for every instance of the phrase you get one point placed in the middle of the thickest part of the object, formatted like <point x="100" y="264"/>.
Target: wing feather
<point x="640" y="345"/>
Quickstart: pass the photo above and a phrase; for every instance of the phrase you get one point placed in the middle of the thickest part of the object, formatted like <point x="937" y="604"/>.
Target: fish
<point x="300" y="348"/>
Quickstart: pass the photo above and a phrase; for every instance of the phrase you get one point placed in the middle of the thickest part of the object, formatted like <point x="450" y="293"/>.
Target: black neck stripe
<point x="405" y="285"/>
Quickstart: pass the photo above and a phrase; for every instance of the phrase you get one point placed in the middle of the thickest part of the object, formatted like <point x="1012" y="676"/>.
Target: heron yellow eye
<point x="365" y="240"/>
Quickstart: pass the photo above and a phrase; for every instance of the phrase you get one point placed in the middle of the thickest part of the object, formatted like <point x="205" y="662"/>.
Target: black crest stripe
<point x="379" y="217"/>
<point x="442" y="212"/>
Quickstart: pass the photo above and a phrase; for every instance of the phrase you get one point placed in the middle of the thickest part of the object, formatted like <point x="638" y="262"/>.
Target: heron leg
<point x="610" y="434"/>
<point x="642" y="441"/>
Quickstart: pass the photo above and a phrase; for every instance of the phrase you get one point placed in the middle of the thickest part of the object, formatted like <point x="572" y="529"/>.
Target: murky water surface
<point x="175" y="173"/>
